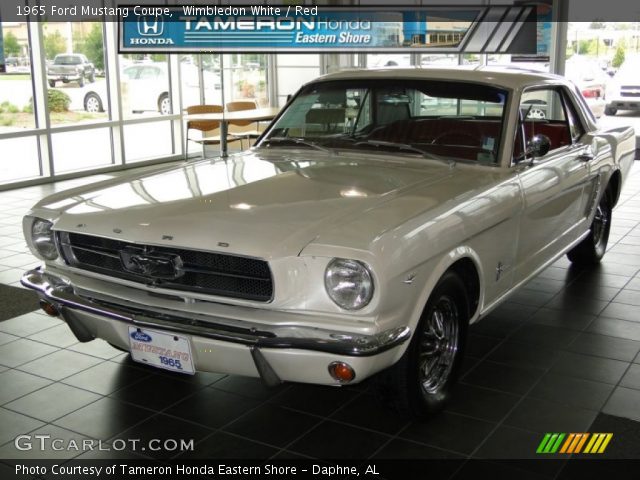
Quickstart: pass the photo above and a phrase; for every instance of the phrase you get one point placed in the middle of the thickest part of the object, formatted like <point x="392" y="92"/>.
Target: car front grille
<point x="191" y="270"/>
<point x="631" y="91"/>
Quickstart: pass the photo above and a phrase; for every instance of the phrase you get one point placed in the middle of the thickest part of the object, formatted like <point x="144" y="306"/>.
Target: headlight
<point x="349" y="283"/>
<point x="42" y="239"/>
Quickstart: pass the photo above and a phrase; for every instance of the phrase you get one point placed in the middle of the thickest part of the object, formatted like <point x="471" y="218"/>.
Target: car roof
<point x="507" y="77"/>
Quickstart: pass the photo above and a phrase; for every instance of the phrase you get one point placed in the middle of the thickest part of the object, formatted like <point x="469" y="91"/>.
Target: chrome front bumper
<point x="72" y="305"/>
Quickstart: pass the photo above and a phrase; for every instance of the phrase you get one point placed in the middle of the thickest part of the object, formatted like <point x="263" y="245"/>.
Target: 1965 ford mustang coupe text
<point x="379" y="215"/>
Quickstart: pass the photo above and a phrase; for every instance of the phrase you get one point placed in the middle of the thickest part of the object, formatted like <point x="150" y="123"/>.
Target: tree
<point x="93" y="46"/>
<point x="11" y="46"/>
<point x="586" y="47"/>
<point x="618" y="58"/>
<point x="54" y="44"/>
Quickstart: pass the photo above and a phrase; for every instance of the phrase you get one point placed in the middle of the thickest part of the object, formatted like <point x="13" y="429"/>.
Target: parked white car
<point x="587" y="75"/>
<point x="623" y="91"/>
<point x="379" y="215"/>
<point x="145" y="88"/>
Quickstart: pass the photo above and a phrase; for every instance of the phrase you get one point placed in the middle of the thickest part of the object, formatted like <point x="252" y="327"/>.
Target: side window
<point x="575" y="126"/>
<point x="543" y="113"/>
<point x="149" y="73"/>
<point x="130" y="73"/>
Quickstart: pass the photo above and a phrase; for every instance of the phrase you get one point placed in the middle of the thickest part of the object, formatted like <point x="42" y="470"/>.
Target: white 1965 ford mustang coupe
<point x="379" y="215"/>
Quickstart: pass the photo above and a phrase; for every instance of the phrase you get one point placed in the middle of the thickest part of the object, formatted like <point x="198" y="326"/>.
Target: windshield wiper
<point x="405" y="147"/>
<point x="296" y="141"/>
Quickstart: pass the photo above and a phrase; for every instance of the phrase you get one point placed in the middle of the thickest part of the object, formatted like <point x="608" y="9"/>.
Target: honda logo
<point x="150" y="26"/>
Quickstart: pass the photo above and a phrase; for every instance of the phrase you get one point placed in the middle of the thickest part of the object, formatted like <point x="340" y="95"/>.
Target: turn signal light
<point x="342" y="372"/>
<point x="49" y="308"/>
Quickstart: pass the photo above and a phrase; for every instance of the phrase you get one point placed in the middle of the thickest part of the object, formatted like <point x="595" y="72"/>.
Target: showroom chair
<point x="210" y="129"/>
<point x="241" y="129"/>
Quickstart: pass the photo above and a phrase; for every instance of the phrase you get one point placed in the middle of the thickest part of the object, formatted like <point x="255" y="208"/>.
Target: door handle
<point x="586" y="155"/>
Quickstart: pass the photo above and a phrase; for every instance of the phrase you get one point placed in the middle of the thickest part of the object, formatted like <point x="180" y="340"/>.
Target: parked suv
<point x="623" y="92"/>
<point x="70" y="67"/>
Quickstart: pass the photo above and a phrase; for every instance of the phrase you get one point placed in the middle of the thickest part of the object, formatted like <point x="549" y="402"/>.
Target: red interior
<point x="463" y="137"/>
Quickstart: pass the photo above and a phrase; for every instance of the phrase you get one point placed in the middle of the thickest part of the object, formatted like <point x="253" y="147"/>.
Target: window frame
<point x="560" y="89"/>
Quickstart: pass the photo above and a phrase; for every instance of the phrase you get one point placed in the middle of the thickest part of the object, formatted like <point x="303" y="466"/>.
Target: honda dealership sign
<point x="191" y="28"/>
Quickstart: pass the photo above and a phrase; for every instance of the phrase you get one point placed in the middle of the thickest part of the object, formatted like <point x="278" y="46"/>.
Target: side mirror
<point x="538" y="146"/>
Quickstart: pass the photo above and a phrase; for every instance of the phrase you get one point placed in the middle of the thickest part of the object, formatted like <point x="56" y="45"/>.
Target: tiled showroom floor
<point x="560" y="356"/>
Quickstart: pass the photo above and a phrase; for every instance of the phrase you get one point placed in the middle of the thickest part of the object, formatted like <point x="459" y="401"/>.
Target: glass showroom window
<point x="380" y="60"/>
<point x="16" y="91"/>
<point x="245" y="77"/>
<point x="144" y="84"/>
<point x="16" y="105"/>
<point x="293" y="71"/>
<point x="77" y="95"/>
<point x="197" y="70"/>
<point x="528" y="62"/>
<point x="75" y="70"/>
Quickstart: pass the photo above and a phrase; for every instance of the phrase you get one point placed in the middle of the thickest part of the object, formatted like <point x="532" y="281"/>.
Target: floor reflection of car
<point x="587" y="75"/>
<point x="145" y="88"/>
<point x="623" y="92"/>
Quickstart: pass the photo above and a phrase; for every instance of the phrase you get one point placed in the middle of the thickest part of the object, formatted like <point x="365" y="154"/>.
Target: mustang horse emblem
<point x="150" y="264"/>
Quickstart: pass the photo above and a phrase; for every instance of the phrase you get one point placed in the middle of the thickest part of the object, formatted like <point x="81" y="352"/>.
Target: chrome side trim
<point x="486" y="310"/>
<point x="63" y="295"/>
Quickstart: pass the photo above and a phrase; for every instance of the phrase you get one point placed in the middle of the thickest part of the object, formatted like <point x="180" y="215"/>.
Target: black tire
<point x="93" y="103"/>
<point x="591" y="250"/>
<point x="81" y="81"/>
<point x="408" y="387"/>
<point x="610" y="111"/>
<point x="52" y="83"/>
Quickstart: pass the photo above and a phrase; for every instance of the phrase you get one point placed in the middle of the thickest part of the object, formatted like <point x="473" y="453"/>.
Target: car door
<point x="553" y="185"/>
<point x="149" y="84"/>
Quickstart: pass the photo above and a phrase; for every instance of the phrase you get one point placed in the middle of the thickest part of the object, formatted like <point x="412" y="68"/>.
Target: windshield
<point x="67" y="60"/>
<point x="456" y="120"/>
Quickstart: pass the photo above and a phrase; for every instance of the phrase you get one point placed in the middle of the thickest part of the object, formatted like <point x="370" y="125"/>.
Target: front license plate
<point x="161" y="350"/>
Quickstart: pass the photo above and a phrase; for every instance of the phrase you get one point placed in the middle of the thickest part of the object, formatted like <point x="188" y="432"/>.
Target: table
<point x="253" y="115"/>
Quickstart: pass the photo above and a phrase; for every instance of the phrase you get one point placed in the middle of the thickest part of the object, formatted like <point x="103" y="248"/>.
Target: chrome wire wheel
<point x="438" y="345"/>
<point x="600" y="227"/>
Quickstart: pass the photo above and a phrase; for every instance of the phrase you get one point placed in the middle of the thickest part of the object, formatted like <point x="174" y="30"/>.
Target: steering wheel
<point x="456" y="138"/>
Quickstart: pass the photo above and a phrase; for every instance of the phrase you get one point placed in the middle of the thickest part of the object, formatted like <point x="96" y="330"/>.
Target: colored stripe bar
<point x="543" y="443"/>
<point x="596" y="444"/>
<point x="607" y="439"/>
<point x="567" y="443"/>
<point x="582" y="442"/>
<point x="550" y="443"/>
<point x="575" y="442"/>
<point x="555" y="447"/>
<point x="594" y="437"/>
